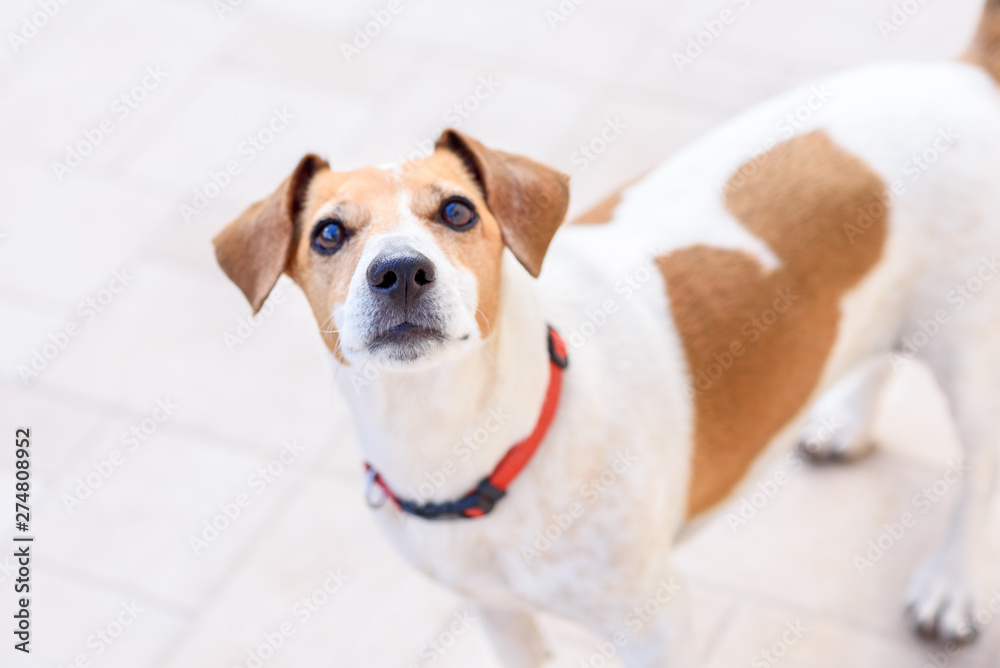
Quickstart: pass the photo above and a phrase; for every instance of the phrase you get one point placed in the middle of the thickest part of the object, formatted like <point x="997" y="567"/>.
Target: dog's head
<point x="400" y="265"/>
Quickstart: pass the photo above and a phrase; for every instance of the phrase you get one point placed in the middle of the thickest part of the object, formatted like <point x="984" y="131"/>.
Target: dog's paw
<point x="835" y="438"/>
<point x="940" y="605"/>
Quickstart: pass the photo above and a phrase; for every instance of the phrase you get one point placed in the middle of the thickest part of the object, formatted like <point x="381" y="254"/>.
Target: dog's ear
<point x="528" y="199"/>
<point x="255" y="248"/>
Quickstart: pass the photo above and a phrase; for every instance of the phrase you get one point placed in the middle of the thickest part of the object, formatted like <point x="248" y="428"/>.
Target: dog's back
<point x="815" y="231"/>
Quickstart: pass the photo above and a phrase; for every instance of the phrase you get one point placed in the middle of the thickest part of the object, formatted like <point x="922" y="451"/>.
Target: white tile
<point x="66" y="251"/>
<point x="277" y="47"/>
<point x="334" y="20"/>
<point x="263" y="126"/>
<point x="530" y="114"/>
<point x="33" y="323"/>
<point x="762" y="635"/>
<point x="591" y="45"/>
<point x="134" y="525"/>
<point x="651" y="134"/>
<point x="41" y="34"/>
<point x="109" y="627"/>
<point x="713" y="613"/>
<point x="70" y="87"/>
<point x="802" y="546"/>
<point x="848" y="33"/>
<point x="725" y="79"/>
<point x="411" y="116"/>
<point x="165" y="337"/>
<point x="59" y="427"/>
<point x="326" y="527"/>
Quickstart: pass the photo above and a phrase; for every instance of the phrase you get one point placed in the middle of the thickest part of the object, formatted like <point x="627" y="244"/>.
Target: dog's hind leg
<point x="965" y="358"/>
<point x="839" y="424"/>
<point x="515" y="637"/>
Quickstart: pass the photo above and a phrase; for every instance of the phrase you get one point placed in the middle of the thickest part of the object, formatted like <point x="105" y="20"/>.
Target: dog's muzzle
<point x="400" y="284"/>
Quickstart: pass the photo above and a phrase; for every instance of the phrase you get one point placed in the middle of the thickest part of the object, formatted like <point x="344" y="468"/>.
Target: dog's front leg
<point x="515" y="637"/>
<point x="658" y="630"/>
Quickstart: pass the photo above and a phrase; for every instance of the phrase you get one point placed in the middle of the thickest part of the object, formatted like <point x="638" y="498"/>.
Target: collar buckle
<point x="557" y="350"/>
<point x="371" y="480"/>
<point x="486" y="496"/>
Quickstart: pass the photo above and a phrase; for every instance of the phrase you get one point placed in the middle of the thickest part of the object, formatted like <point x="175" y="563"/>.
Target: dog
<point x="536" y="439"/>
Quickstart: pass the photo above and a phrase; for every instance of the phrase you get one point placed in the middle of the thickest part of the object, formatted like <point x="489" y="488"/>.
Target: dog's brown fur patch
<point x="803" y="199"/>
<point x="985" y="48"/>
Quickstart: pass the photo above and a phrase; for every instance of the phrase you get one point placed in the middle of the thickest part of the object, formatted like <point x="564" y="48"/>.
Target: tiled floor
<point x="115" y="535"/>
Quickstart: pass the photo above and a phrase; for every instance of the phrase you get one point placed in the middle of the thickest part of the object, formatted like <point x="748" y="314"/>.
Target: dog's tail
<point x="985" y="48"/>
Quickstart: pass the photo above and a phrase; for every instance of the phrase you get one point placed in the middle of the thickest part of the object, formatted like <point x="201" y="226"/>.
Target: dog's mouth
<point x="406" y="340"/>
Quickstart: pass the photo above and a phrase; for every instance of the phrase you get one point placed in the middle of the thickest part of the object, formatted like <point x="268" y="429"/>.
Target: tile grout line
<point x="722" y="629"/>
<point x="116" y="411"/>
<point x="216" y="590"/>
<point x="755" y="598"/>
<point x="108" y="584"/>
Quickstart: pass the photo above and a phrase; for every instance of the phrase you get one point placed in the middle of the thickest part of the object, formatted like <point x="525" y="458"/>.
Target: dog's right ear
<point x="528" y="199"/>
<point x="255" y="248"/>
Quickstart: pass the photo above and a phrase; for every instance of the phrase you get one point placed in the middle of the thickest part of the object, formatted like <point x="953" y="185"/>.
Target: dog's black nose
<point x="401" y="278"/>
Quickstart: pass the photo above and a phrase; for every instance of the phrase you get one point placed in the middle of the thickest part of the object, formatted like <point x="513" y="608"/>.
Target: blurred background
<point x="130" y="132"/>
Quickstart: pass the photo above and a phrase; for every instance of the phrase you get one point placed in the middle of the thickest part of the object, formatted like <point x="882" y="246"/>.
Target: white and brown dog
<point x="711" y="302"/>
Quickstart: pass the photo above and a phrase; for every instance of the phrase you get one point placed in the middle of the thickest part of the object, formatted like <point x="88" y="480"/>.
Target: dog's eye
<point x="328" y="236"/>
<point x="458" y="213"/>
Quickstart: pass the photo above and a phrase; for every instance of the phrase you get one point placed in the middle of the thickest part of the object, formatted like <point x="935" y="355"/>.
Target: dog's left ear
<point x="528" y="199"/>
<point x="255" y="248"/>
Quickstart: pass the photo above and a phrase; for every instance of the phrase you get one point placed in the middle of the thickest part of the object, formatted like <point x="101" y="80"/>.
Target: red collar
<point x="484" y="496"/>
